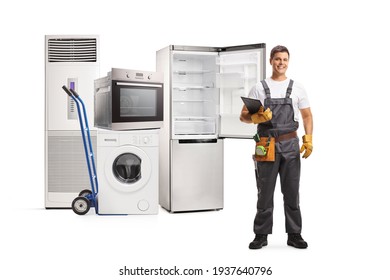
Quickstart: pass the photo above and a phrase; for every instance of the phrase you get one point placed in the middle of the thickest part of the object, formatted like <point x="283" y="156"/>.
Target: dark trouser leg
<point x="290" y="170"/>
<point x="267" y="173"/>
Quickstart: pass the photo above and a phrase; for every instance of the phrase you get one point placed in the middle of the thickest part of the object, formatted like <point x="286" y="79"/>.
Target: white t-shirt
<point x="278" y="90"/>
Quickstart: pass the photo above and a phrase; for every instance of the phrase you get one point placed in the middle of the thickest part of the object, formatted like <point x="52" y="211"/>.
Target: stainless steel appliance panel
<point x="163" y="66"/>
<point x="197" y="175"/>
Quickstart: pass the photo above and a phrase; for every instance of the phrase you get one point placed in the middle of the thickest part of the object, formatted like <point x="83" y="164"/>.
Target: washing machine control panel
<point x="139" y="140"/>
<point x="135" y="138"/>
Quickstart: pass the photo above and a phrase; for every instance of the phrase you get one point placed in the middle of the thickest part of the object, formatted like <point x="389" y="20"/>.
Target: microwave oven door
<point x="240" y="68"/>
<point x="137" y="105"/>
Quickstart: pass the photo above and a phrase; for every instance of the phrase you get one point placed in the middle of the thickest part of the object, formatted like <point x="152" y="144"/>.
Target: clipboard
<point x="252" y="104"/>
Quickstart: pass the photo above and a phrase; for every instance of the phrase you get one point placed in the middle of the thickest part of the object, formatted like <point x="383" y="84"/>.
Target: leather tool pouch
<point x="270" y="149"/>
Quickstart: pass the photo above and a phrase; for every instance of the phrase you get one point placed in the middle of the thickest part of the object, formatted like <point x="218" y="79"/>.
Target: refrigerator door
<point x="197" y="175"/>
<point x="240" y="68"/>
<point x="194" y="95"/>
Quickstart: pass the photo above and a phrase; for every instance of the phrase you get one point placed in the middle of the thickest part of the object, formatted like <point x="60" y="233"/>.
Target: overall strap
<point x="266" y="89"/>
<point x="289" y="89"/>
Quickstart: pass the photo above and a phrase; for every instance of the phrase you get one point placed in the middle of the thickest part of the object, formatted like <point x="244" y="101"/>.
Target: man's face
<point x="280" y="63"/>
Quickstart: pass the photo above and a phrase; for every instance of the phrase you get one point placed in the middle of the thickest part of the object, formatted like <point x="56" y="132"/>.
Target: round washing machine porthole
<point x="128" y="169"/>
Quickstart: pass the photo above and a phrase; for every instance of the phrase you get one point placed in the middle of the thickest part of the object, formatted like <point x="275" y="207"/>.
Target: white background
<point x="339" y="51"/>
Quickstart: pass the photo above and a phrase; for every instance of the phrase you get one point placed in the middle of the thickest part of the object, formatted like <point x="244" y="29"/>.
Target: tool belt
<point x="265" y="149"/>
<point x="286" y="136"/>
<point x="265" y="146"/>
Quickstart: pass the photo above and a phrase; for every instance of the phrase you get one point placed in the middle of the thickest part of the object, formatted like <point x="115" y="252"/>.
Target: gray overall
<point x="287" y="164"/>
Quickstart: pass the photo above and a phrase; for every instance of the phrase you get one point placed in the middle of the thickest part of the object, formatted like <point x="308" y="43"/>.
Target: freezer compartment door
<point x="239" y="71"/>
<point x="197" y="175"/>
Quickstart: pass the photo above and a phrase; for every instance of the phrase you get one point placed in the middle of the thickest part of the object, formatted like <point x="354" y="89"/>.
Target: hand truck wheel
<point x="85" y="193"/>
<point x="81" y="205"/>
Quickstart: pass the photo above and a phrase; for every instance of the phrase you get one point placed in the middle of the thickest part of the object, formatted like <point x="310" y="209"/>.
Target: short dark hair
<point x="277" y="49"/>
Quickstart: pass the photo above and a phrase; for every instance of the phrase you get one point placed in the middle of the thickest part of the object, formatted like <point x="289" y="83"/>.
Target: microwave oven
<point x="129" y="99"/>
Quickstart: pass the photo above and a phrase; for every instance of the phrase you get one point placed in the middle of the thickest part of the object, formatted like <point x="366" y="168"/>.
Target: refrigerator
<point x="202" y="104"/>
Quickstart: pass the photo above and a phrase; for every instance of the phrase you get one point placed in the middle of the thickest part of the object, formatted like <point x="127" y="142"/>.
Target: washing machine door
<point x="128" y="169"/>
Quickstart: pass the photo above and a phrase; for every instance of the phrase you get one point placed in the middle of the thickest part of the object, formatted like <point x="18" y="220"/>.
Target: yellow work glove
<point x="261" y="116"/>
<point x="307" y="145"/>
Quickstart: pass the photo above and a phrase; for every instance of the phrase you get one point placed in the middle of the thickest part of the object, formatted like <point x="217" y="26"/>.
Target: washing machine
<point x="127" y="170"/>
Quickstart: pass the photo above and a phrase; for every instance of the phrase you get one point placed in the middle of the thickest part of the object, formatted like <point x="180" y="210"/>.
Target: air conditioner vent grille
<point x="72" y="50"/>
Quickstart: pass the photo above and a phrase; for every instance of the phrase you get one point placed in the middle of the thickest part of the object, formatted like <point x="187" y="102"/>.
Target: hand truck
<point x="86" y="198"/>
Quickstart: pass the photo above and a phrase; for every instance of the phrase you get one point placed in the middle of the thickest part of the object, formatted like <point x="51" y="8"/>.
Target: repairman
<point x="277" y="148"/>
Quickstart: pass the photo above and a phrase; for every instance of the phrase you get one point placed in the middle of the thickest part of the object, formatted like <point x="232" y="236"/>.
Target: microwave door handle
<point x="138" y="85"/>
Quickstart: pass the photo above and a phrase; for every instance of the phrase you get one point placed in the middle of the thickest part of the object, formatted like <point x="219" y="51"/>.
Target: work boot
<point x="259" y="241"/>
<point x="296" y="240"/>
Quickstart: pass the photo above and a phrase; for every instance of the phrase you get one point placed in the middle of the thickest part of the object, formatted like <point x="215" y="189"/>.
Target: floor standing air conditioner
<point x="71" y="60"/>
